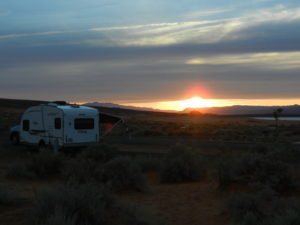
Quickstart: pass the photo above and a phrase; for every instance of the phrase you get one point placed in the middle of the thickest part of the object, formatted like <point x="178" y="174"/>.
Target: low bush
<point x="148" y="163"/>
<point x="134" y="214"/>
<point x="181" y="164"/>
<point x="6" y="196"/>
<point x="99" y="153"/>
<point x="74" y="204"/>
<point x="45" y="164"/>
<point x="90" y="204"/>
<point x="256" y="167"/>
<point x="41" y="165"/>
<point x="123" y="174"/>
<point x="227" y="173"/>
<point x="255" y="208"/>
<point x="19" y="170"/>
<point x="82" y="170"/>
<point x="59" y="217"/>
<point x="240" y="204"/>
<point x="290" y="216"/>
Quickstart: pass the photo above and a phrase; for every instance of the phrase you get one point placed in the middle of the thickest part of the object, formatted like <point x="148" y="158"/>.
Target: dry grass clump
<point x="181" y="164"/>
<point x="73" y="204"/>
<point x="92" y="204"/>
<point x="100" y="164"/>
<point x="262" y="165"/>
<point x="41" y="165"/>
<point x="123" y="174"/>
<point x="256" y="208"/>
<point x="7" y="197"/>
<point x="148" y="163"/>
<point x="99" y="153"/>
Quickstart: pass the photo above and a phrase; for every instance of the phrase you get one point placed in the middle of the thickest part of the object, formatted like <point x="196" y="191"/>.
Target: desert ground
<point x="183" y="169"/>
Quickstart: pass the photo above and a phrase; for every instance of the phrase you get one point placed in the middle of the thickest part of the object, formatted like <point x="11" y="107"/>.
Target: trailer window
<point x="26" y="125"/>
<point x="84" y="124"/>
<point x="57" y="123"/>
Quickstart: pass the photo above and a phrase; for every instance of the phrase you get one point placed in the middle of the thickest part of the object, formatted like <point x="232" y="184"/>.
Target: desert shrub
<point x="152" y="132"/>
<point x="181" y="164"/>
<point x="286" y="154"/>
<point x="6" y="196"/>
<point x="291" y="217"/>
<point x="60" y="217"/>
<point x="251" y="218"/>
<point x="261" y="149"/>
<point x="148" y="163"/>
<point x="19" y="170"/>
<point x="287" y="212"/>
<point x="265" y="169"/>
<point x="41" y="165"/>
<point x="75" y="204"/>
<point x="227" y="173"/>
<point x="263" y="191"/>
<point x="90" y="204"/>
<point x="134" y="214"/>
<point x="82" y="170"/>
<point x="45" y="164"/>
<point x="275" y="174"/>
<point x="259" y="166"/>
<point x="122" y="174"/>
<point x="255" y="208"/>
<point x="99" y="153"/>
<point x="240" y="204"/>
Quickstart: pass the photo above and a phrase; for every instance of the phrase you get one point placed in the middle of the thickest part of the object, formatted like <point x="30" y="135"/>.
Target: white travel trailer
<point x="57" y="125"/>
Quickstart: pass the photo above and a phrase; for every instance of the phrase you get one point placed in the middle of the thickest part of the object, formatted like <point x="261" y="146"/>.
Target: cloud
<point x="8" y="36"/>
<point x="279" y="60"/>
<point x="197" y="32"/>
<point x="179" y="33"/>
<point x="5" y="13"/>
<point x="206" y="13"/>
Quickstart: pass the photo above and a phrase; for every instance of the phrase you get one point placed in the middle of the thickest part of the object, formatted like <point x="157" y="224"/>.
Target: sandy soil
<point x="184" y="203"/>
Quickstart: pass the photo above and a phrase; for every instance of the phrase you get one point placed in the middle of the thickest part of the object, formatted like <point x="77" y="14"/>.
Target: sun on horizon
<point x="198" y="102"/>
<point x="195" y="102"/>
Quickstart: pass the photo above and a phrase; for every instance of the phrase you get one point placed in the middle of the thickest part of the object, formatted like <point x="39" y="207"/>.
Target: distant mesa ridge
<point x="292" y="110"/>
<point x="113" y="105"/>
<point x="243" y="110"/>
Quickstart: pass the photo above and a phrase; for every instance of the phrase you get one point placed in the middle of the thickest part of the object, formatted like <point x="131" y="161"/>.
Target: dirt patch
<point x="184" y="203"/>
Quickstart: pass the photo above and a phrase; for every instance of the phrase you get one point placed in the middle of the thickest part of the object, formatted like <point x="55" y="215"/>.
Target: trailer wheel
<point x="15" y="138"/>
<point x="42" y="147"/>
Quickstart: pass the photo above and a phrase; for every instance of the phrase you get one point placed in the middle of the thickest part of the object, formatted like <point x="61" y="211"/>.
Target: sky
<point x="151" y="53"/>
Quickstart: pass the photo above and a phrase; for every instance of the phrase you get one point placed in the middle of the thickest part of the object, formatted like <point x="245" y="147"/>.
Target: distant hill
<point x="108" y="108"/>
<point x="113" y="105"/>
<point x="19" y="103"/>
<point x="293" y="110"/>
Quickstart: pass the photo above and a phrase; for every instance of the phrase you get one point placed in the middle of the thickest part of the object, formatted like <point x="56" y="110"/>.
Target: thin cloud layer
<point x="278" y="60"/>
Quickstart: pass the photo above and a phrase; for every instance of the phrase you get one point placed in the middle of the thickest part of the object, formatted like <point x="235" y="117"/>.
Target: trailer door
<point x="54" y="125"/>
<point x="32" y="129"/>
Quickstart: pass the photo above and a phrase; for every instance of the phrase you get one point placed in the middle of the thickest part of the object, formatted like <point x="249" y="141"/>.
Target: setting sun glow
<point x="195" y="102"/>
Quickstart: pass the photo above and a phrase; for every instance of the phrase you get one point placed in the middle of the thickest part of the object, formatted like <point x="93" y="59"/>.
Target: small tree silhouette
<point x="276" y="115"/>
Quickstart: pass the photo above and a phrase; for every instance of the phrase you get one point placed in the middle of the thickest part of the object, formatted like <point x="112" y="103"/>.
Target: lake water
<point x="280" y="118"/>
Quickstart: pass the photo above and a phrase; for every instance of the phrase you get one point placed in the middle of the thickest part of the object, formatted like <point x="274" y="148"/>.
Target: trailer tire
<point x="42" y="146"/>
<point x="15" y="138"/>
